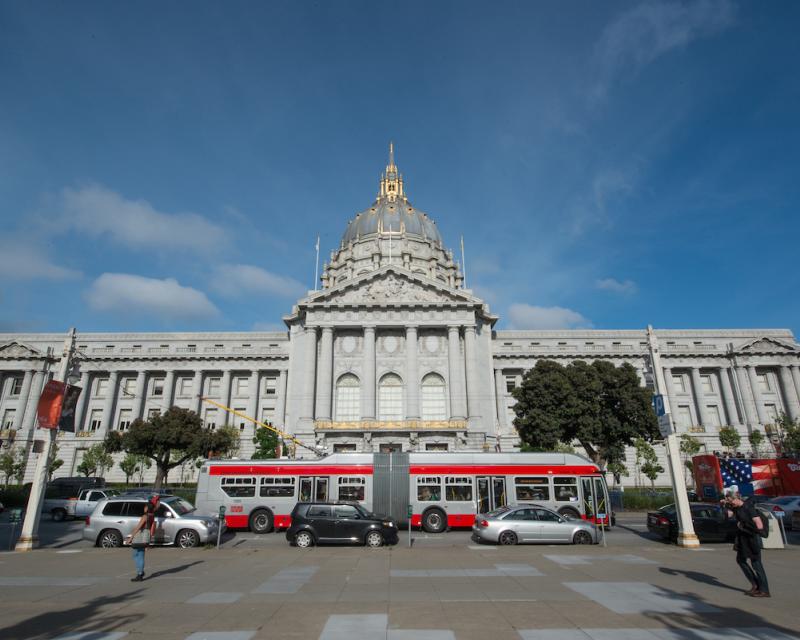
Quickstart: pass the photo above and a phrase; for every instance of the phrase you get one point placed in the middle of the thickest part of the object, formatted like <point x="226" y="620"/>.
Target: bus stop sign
<point x="222" y="512"/>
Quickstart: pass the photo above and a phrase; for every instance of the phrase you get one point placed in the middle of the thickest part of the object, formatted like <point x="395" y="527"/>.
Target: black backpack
<point x="764" y="530"/>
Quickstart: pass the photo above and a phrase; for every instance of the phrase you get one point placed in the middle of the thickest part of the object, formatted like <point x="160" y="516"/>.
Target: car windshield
<point x="498" y="512"/>
<point x="179" y="506"/>
<point x="784" y="500"/>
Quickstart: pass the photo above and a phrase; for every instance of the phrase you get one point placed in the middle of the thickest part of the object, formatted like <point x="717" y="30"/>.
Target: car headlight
<point x="388" y="523"/>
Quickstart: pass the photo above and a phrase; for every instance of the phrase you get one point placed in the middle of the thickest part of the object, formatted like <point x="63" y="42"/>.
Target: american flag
<point x="748" y="477"/>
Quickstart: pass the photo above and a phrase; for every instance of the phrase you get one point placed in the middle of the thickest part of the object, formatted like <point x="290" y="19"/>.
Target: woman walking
<point x="140" y="538"/>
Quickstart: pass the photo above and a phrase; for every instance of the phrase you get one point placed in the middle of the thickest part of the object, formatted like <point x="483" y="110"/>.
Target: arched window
<point x="390" y="398"/>
<point x="348" y="398"/>
<point x="434" y="401"/>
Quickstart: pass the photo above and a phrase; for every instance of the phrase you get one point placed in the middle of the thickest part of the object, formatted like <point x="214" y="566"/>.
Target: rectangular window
<point x="16" y="385"/>
<point x="211" y="419"/>
<point x="185" y="386"/>
<point x="270" y="386"/>
<point x="677" y="383"/>
<point x="684" y="416"/>
<point x="713" y="415"/>
<point x="8" y="418"/>
<point x="763" y="382"/>
<point x="435" y="446"/>
<point x="319" y="511"/>
<point x="511" y="383"/>
<point x="158" y="387"/>
<point x="239" y="487"/>
<point x="458" y="489"/>
<point x="153" y="413"/>
<point x="101" y="387"/>
<point x="242" y="386"/>
<point x="95" y="419"/>
<point x="266" y="416"/>
<point x="129" y="387"/>
<point x="565" y="489"/>
<point x="239" y="421"/>
<point x="277" y="487"/>
<point x="125" y="419"/>
<point x="429" y="488"/>
<point x="344" y="448"/>
<point x="772" y="412"/>
<point x="531" y="489"/>
<point x="214" y="385"/>
<point x="351" y="488"/>
<point x="705" y="383"/>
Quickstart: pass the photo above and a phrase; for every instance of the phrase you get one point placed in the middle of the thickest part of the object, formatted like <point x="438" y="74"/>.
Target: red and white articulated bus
<point x="443" y="489"/>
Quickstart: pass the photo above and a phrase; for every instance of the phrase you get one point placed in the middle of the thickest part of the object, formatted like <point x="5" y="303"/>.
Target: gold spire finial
<point x="391" y="182"/>
<point x="391" y="154"/>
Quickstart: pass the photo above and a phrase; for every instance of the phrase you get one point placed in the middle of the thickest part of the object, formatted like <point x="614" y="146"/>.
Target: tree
<point x="132" y="464"/>
<point x="169" y="439"/>
<point x="729" y="438"/>
<point x="266" y="442"/>
<point x="689" y="447"/>
<point x="12" y="465"/>
<point x="789" y="431"/>
<point x="599" y="405"/>
<point x="54" y="462"/>
<point x="756" y="439"/>
<point x="95" y="460"/>
<point x="650" y="466"/>
<point x="618" y="469"/>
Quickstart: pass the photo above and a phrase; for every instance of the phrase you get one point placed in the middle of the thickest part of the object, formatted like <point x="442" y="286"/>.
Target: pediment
<point x="15" y="349"/>
<point x="768" y="345"/>
<point x="390" y="285"/>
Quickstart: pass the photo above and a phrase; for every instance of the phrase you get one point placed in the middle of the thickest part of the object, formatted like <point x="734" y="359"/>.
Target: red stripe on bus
<point x="283" y="522"/>
<point x="237" y="522"/>
<point x="416" y="520"/>
<point x="293" y="470"/>
<point x="460" y="520"/>
<point x="501" y="469"/>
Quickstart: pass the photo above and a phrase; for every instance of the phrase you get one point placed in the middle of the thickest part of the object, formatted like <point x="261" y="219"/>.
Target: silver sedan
<point x="531" y="523"/>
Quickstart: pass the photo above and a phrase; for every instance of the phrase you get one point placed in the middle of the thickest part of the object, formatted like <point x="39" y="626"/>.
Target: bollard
<point x="410" y="512"/>
<point x="14" y="518"/>
<point x="221" y="520"/>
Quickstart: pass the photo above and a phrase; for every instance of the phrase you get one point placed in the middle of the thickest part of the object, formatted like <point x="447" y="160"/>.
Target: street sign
<point x="410" y="511"/>
<point x="658" y="404"/>
<point x="664" y="425"/>
<point x="222" y="512"/>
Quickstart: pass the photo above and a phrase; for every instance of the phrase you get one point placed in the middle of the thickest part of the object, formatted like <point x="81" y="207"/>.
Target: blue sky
<point x="167" y="166"/>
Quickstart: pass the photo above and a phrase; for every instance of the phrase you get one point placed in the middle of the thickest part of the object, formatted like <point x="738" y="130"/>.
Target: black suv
<point x="314" y="522"/>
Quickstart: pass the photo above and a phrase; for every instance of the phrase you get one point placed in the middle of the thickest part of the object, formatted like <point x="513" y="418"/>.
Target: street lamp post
<point x="686" y="535"/>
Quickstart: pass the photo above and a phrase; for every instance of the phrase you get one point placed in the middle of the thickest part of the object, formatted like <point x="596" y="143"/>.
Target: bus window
<point x="588" y="497"/>
<point x="239" y="487"/>
<point x="458" y="489"/>
<point x="352" y="488"/>
<point x="305" y="489"/>
<point x="322" y="489"/>
<point x="600" y="498"/>
<point x="277" y="487"/>
<point x="566" y="489"/>
<point x="530" y="489"/>
<point x="429" y="489"/>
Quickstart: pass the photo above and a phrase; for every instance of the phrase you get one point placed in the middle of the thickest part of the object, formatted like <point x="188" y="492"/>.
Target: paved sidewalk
<point x="634" y="588"/>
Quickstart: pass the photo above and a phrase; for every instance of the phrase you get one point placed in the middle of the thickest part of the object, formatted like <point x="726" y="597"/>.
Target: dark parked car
<point x="710" y="523"/>
<point x="318" y="522"/>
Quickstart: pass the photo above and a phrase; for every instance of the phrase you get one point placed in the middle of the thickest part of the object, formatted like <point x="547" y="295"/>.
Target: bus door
<point x="491" y="493"/>
<point x="313" y="489"/>
<point x="595" y="500"/>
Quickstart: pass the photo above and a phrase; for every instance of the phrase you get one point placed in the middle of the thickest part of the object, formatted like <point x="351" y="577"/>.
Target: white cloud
<point x="628" y="287"/>
<point x="27" y="262"/>
<point x="234" y="280"/>
<point x="526" y="316"/>
<point x="649" y="30"/>
<point x="126" y="294"/>
<point x="98" y="211"/>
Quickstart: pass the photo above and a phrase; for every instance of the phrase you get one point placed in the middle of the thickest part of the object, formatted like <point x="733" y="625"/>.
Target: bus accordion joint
<point x="282" y="434"/>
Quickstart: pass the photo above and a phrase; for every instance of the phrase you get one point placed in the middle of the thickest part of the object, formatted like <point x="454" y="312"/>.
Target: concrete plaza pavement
<point x="443" y="587"/>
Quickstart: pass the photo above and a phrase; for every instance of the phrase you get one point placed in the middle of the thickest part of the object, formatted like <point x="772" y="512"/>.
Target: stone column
<point x="80" y="409"/>
<point x="225" y="390"/>
<point x="22" y="403"/>
<point x="500" y="398"/>
<point x="368" y="385"/>
<point x="280" y="401"/>
<point x="456" y="367"/>
<point x="141" y="389"/>
<point x="325" y="375"/>
<point x="473" y="401"/>
<point x="33" y="400"/>
<point x="197" y="391"/>
<point x="747" y="395"/>
<point x="169" y="385"/>
<point x="759" y="402"/>
<point x="412" y="374"/>
<point x="796" y="377"/>
<point x="310" y="345"/>
<point x="728" y="397"/>
<point x="108" y="403"/>
<point x="255" y="393"/>
<point x="789" y="393"/>
<point x="700" y="397"/>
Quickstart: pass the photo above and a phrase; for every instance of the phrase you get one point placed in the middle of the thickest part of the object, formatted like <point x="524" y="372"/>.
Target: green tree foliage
<point x="132" y="464"/>
<point x="95" y="460"/>
<point x="618" y="470"/>
<point x="790" y="434"/>
<point x="266" y="442"/>
<point x="649" y="466"/>
<point x="601" y="406"/>
<point x="12" y="465"/>
<point x="756" y="439"/>
<point x="233" y="436"/>
<point x="689" y="447"/>
<point x="729" y="438"/>
<point x="54" y="463"/>
<point x="169" y="439"/>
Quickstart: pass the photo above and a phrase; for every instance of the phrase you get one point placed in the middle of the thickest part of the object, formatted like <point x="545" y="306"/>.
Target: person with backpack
<point x="751" y="526"/>
<point x="141" y="537"/>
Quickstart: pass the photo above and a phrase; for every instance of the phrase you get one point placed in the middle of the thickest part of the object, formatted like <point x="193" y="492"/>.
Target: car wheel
<point x="261" y="521"/>
<point x="570" y="513"/>
<point x="187" y="538"/>
<point x="582" y="537"/>
<point x="434" y="521"/>
<point x="374" y="539"/>
<point x="109" y="539"/>
<point x="508" y="538"/>
<point x="304" y="540"/>
<point x="58" y="515"/>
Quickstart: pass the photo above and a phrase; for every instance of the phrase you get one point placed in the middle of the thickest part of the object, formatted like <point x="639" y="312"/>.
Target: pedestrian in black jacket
<point x="747" y="543"/>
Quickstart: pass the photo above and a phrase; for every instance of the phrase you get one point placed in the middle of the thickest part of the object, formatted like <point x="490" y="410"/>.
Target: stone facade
<point x="391" y="352"/>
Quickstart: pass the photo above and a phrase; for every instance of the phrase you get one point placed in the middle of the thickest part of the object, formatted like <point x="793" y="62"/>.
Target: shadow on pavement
<point x="178" y="569"/>
<point x="699" y="577"/>
<point x="86" y="618"/>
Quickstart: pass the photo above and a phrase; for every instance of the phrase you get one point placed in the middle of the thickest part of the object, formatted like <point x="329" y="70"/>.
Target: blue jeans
<point x="138" y="558"/>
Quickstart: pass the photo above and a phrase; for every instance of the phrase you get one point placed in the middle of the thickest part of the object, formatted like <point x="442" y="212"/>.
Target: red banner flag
<point x="48" y="412"/>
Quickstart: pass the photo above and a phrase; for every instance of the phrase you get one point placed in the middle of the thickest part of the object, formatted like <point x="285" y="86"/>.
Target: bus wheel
<point x="261" y="521"/>
<point x="569" y="512"/>
<point x="434" y="521"/>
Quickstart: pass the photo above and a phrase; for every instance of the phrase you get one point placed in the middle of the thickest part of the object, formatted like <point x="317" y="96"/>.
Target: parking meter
<point x="410" y="513"/>
<point x="219" y="526"/>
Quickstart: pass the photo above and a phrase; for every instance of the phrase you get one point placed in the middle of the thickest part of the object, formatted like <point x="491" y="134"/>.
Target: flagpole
<point x="316" y="265"/>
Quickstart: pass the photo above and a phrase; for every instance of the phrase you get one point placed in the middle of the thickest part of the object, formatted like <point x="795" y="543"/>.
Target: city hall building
<point x="391" y="353"/>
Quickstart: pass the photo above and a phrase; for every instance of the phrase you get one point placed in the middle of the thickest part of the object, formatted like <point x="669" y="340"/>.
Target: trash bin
<point x="775" y="538"/>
